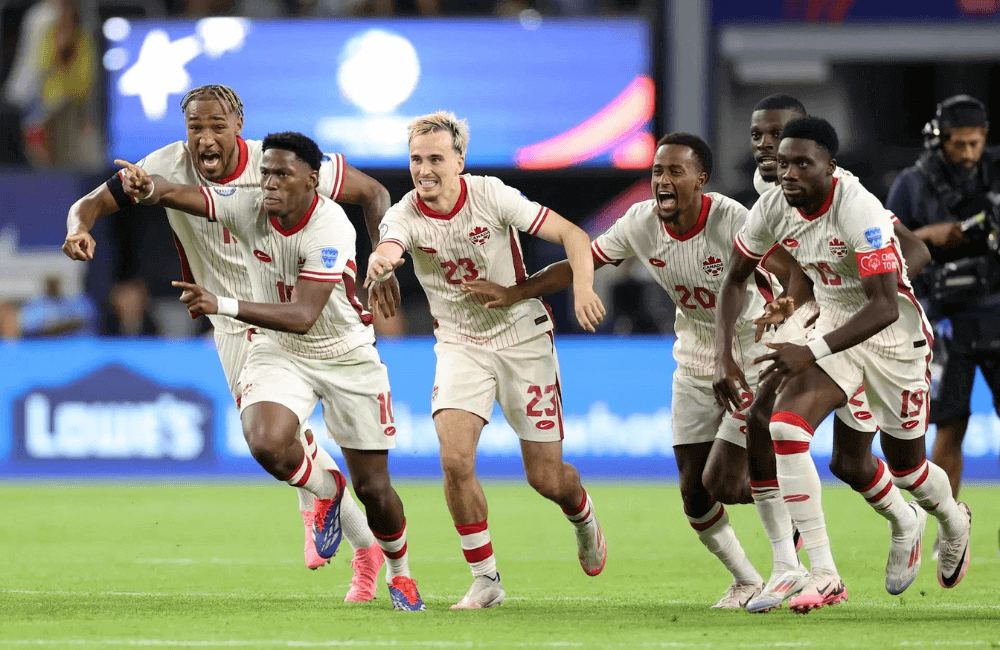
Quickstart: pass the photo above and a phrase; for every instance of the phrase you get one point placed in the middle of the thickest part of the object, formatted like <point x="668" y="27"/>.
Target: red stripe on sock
<point x="923" y="477"/>
<point x="393" y="537"/>
<point x="394" y="555"/>
<point x="579" y="509"/>
<point x="881" y="493"/>
<point x="469" y="529"/>
<point x="309" y="436"/>
<point x="793" y="419"/>
<point x="757" y="485"/>
<point x="789" y="447"/>
<point x="305" y="477"/>
<point x="907" y="471"/>
<point x="705" y="525"/>
<point x="879" y="473"/>
<point x="579" y="516"/>
<point x="289" y="478"/>
<point x="473" y="555"/>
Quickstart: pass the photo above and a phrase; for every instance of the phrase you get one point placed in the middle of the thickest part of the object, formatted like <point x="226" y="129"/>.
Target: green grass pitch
<point x="176" y="564"/>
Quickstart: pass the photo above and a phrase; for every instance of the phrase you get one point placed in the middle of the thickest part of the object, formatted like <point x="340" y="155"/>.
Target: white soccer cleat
<point x="954" y="556"/>
<point x="785" y="582"/>
<point x="738" y="595"/>
<point x="592" y="549"/>
<point x="484" y="593"/>
<point x="824" y="588"/>
<point x="905" y="553"/>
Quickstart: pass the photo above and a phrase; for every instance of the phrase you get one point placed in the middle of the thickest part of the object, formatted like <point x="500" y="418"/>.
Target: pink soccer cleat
<point x="364" y="583"/>
<point x="313" y="559"/>
<point x="824" y="588"/>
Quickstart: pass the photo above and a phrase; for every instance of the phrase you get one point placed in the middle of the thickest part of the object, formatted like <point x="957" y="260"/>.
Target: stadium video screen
<point x="549" y="95"/>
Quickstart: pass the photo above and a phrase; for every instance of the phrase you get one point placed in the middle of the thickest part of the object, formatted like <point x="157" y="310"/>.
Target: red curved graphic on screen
<point x="616" y="126"/>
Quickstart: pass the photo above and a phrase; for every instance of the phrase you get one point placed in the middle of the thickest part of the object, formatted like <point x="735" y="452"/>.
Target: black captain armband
<point x="118" y="192"/>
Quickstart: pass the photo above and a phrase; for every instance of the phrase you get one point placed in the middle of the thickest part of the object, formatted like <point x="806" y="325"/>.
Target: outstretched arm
<point x="79" y="244"/>
<point x="727" y="373"/>
<point x="156" y="190"/>
<point x="552" y="279"/>
<point x="296" y="316"/>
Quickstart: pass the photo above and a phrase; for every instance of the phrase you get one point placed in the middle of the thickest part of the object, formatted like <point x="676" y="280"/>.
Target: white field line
<point x="282" y="643"/>
<point x="530" y="599"/>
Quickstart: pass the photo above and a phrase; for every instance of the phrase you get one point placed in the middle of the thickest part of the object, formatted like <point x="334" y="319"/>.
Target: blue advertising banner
<point x="115" y="407"/>
<point x="546" y="94"/>
<point x="835" y="11"/>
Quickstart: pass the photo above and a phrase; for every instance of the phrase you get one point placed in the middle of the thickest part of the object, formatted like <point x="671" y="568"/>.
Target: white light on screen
<point x="379" y="70"/>
<point x="221" y="35"/>
<point x="117" y="29"/>
<point x="159" y="71"/>
<point x="115" y="59"/>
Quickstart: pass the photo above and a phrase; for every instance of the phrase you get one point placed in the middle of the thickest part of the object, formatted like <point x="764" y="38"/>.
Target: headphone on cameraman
<point x="932" y="130"/>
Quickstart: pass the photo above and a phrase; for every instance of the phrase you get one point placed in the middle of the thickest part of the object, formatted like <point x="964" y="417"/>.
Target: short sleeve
<point x="755" y="239"/>
<point x="394" y="229"/>
<point x="327" y="249"/>
<point x="612" y="246"/>
<point x="331" y="175"/>
<point x="869" y="232"/>
<point x="235" y="208"/>
<point x="516" y="210"/>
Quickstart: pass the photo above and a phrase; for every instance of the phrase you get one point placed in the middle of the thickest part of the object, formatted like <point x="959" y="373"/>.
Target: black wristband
<point x="118" y="192"/>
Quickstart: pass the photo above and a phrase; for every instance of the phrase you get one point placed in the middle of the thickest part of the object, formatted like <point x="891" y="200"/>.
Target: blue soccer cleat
<point x="327" y="533"/>
<point x="404" y="595"/>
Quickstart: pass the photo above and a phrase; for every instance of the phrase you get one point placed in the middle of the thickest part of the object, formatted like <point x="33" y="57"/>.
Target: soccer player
<point x="853" y="428"/>
<point x="681" y="236"/>
<point x="457" y="228"/>
<point x="215" y="154"/>
<point x="319" y="343"/>
<point x="870" y="329"/>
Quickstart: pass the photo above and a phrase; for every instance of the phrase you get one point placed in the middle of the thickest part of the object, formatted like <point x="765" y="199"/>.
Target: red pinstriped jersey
<point x="690" y="268"/>
<point x="321" y="248"/>
<point x="851" y="236"/>
<point x="210" y="255"/>
<point x="478" y="239"/>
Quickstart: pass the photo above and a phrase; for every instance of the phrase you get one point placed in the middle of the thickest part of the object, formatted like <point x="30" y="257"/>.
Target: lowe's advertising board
<point x="117" y="407"/>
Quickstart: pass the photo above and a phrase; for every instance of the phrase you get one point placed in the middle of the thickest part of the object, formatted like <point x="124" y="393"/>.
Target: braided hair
<point x="224" y="94"/>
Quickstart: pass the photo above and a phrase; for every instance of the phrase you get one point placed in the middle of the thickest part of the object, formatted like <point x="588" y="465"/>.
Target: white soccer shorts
<point x="354" y="390"/>
<point x="523" y="379"/>
<point x="697" y="417"/>
<point x="233" y="350"/>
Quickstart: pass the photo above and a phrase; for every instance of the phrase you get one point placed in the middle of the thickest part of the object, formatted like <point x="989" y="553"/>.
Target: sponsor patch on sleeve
<point x="877" y="262"/>
<point x="329" y="256"/>
<point x="224" y="191"/>
<point x="874" y="237"/>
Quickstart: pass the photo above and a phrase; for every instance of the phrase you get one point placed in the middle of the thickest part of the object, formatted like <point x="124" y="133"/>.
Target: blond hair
<point x="442" y="121"/>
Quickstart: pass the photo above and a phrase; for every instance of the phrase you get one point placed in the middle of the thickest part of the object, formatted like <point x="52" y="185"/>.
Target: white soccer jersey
<point x="209" y="252"/>
<point x="320" y="248"/>
<point x="477" y="239"/>
<point x="851" y="236"/>
<point x="691" y="268"/>
<point x="762" y="186"/>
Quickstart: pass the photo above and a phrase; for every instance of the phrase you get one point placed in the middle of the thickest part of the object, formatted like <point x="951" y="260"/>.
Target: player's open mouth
<point x="766" y="161"/>
<point x="211" y="161"/>
<point x="666" y="200"/>
<point x="427" y="183"/>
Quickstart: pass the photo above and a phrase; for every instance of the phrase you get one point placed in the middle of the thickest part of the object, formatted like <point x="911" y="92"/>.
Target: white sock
<point x="800" y="486"/>
<point x="477" y="548"/>
<point x="396" y="556"/>
<point x="583" y="516"/>
<point x="719" y="538"/>
<point x="352" y="519"/>
<point x="777" y="522"/>
<point x="886" y="499"/>
<point x="930" y="488"/>
<point x="319" y="482"/>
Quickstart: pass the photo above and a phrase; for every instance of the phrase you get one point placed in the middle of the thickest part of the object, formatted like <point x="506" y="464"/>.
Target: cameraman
<point x="949" y="199"/>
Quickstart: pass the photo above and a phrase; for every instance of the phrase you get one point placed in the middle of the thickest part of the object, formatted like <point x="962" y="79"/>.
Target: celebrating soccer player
<point x="461" y="227"/>
<point x="870" y="329"/>
<point x="319" y="342"/>
<point x="215" y="154"/>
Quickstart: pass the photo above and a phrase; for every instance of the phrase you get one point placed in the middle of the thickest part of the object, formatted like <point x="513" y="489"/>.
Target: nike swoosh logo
<point x="950" y="580"/>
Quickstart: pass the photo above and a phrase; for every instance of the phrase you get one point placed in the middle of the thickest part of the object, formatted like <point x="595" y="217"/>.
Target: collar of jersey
<point x="706" y="203"/>
<point x="241" y="146"/>
<point x="823" y="208"/>
<point x="302" y="222"/>
<point x="438" y="215"/>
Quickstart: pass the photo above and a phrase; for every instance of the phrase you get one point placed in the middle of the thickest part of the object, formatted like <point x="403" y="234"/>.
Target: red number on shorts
<point x="468" y="267"/>
<point x="704" y="297"/>
<point x="854" y="401"/>
<point x="285" y="292"/>
<point x="746" y="399"/>
<point x="832" y="279"/>
<point x="385" y="407"/>
<point x="916" y="398"/>
<point x="538" y="393"/>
